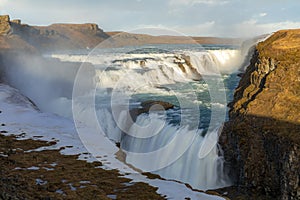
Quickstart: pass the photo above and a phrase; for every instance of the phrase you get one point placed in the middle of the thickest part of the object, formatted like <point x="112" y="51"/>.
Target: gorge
<point x="261" y="138"/>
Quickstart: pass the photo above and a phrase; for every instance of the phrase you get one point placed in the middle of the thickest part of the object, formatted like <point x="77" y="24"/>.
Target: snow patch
<point x="23" y="118"/>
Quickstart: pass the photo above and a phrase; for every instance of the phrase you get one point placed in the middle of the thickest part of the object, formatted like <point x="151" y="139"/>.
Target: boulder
<point x="16" y="21"/>
<point x="156" y="105"/>
<point x="151" y="105"/>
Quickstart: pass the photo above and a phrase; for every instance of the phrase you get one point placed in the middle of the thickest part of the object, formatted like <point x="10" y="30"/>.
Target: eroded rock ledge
<point x="14" y="34"/>
<point x="261" y="140"/>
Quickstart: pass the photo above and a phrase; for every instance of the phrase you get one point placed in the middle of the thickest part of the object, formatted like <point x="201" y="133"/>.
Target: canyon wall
<point x="14" y="35"/>
<point x="261" y="140"/>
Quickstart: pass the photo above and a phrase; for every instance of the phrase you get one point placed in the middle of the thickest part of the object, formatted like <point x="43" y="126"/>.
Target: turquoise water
<point x="180" y="143"/>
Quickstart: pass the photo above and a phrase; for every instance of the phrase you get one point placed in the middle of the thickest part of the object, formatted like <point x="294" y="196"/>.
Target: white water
<point x="174" y="152"/>
<point x="152" y="144"/>
<point x="144" y="72"/>
<point x="21" y="116"/>
<point x="217" y="61"/>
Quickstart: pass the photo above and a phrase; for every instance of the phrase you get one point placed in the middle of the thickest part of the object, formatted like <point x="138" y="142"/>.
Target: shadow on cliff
<point x="263" y="154"/>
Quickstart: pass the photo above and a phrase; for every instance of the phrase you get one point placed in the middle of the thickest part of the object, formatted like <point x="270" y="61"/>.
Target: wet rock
<point x="147" y="105"/>
<point x="150" y="105"/>
<point x="142" y="63"/>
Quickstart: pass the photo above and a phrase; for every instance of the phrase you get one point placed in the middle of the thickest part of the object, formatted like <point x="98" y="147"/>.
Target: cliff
<point x="261" y="140"/>
<point x="9" y="41"/>
<point x="4" y="25"/>
<point x="14" y="35"/>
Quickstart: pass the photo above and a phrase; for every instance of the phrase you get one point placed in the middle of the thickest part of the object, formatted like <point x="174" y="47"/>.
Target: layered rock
<point x="50" y="38"/>
<point x="261" y="140"/>
<point x="70" y="36"/>
<point x="82" y="36"/>
<point x="4" y="25"/>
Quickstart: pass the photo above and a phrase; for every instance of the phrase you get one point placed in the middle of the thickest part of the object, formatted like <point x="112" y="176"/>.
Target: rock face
<point x="50" y="38"/>
<point x="4" y="25"/>
<point x="83" y="36"/>
<point x="70" y="36"/>
<point x="261" y="140"/>
<point x="150" y="105"/>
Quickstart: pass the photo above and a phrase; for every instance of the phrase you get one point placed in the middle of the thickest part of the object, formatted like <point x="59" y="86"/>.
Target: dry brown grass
<point x="60" y="176"/>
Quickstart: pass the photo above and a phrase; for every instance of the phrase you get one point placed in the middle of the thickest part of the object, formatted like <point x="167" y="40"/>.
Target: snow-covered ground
<point x="21" y="116"/>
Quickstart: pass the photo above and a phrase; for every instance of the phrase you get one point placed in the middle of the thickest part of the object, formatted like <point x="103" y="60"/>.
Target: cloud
<point x="3" y="3"/>
<point x="245" y="29"/>
<point x="223" y="18"/>
<point x="203" y="29"/>
<point x="252" y="27"/>
<point x="154" y="29"/>
<point x="193" y="2"/>
<point x="263" y="14"/>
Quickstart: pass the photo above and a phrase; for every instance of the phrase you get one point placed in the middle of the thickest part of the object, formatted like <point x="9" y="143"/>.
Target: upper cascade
<point x="157" y="69"/>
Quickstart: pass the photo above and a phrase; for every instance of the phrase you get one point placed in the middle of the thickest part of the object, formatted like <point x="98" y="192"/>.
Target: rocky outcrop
<point x="70" y="36"/>
<point x="50" y="38"/>
<point x="185" y="65"/>
<point x="86" y="36"/>
<point x="148" y="106"/>
<point x="156" y="105"/>
<point x="261" y="140"/>
<point x="4" y="25"/>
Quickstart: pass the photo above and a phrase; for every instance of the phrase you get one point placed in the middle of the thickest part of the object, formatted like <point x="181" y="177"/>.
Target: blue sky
<point x="224" y="18"/>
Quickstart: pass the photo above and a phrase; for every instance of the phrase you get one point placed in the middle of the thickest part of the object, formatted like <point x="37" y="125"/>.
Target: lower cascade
<point x="173" y="153"/>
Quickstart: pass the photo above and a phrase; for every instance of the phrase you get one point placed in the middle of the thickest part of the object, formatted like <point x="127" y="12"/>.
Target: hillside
<point x="15" y="35"/>
<point x="139" y="39"/>
<point x="49" y="38"/>
<point x="262" y="138"/>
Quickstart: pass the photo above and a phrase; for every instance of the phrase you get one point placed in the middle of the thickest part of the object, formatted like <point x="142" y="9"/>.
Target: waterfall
<point x="153" y="142"/>
<point x="173" y="153"/>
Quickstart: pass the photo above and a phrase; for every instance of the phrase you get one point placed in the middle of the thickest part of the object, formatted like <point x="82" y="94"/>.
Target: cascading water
<point x="178" y="144"/>
<point x="173" y="153"/>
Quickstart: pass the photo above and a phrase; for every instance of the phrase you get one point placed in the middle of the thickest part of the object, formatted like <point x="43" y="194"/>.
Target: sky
<point x="220" y="18"/>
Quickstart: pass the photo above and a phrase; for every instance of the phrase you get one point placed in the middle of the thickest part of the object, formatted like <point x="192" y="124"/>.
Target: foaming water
<point x="174" y="154"/>
<point x="176" y="144"/>
<point x="147" y="71"/>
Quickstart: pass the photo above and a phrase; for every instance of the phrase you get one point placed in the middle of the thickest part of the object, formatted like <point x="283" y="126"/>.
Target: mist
<point x="47" y="82"/>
